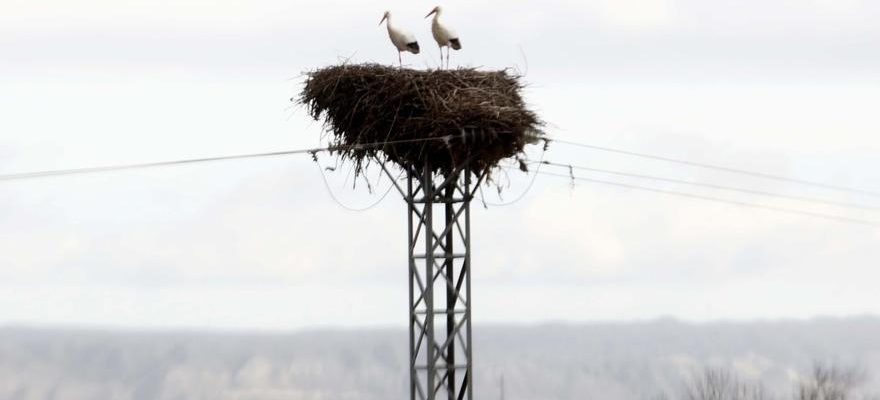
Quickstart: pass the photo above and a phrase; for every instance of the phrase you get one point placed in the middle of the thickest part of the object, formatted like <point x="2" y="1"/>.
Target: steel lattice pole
<point x="440" y="331"/>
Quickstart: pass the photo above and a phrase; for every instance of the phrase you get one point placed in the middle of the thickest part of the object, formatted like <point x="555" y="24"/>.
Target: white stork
<point x="402" y="40"/>
<point x="444" y="35"/>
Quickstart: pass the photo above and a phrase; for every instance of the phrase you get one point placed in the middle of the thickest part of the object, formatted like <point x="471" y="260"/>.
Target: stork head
<point x="385" y="17"/>
<point x="436" y="10"/>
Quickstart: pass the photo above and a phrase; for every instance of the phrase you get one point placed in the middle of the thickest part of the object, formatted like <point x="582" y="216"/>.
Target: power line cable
<point x="719" y="168"/>
<point x="838" y="218"/>
<point x="712" y="186"/>
<point x="524" y="192"/>
<point x="91" y="170"/>
<point x="343" y="205"/>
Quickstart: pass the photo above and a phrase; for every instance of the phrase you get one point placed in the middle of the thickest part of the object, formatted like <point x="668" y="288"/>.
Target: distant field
<point x="607" y="361"/>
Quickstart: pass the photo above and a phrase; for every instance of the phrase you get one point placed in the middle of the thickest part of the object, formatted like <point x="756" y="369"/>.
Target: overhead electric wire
<point x="718" y="168"/>
<point x="711" y="186"/>
<point x="89" y="170"/>
<point x="785" y="210"/>
<point x="110" y="168"/>
<point x="343" y="205"/>
<point x="524" y="192"/>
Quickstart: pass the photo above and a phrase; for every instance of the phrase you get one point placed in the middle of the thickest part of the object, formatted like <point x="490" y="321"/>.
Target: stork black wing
<point x="456" y="45"/>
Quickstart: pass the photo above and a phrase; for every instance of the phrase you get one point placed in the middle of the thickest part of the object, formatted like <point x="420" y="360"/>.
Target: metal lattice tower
<point x="439" y="252"/>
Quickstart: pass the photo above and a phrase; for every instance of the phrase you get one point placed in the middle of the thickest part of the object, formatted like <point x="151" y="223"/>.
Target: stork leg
<point x="447" y="56"/>
<point x="441" y="56"/>
<point x="399" y="59"/>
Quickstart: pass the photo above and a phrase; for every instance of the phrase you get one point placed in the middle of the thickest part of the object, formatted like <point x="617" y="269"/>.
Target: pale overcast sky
<point x="785" y="87"/>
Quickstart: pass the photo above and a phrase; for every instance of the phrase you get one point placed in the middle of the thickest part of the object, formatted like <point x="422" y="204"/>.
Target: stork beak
<point x="384" y="17"/>
<point x="431" y="13"/>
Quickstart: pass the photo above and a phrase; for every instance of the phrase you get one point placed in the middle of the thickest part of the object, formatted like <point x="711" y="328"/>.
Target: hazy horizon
<point x="401" y="326"/>
<point x="614" y="361"/>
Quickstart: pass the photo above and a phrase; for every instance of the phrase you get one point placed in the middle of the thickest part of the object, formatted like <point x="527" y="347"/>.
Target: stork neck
<point x="388" y="24"/>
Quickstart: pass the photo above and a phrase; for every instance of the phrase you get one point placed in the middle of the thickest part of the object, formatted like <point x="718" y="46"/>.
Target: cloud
<point x="636" y="14"/>
<point x="770" y="86"/>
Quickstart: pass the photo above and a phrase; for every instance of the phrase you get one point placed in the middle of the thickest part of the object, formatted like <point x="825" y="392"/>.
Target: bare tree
<point x="720" y="384"/>
<point x="826" y="381"/>
<point x="829" y="382"/>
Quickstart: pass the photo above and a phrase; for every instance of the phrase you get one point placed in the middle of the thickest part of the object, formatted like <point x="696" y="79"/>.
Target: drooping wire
<point x="91" y="170"/>
<point x="785" y="210"/>
<point x="343" y="205"/>
<point x="719" y="168"/>
<point x="708" y="185"/>
<point x="524" y="192"/>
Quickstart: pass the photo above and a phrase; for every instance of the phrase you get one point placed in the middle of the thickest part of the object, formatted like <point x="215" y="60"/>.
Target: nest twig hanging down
<point x="479" y="115"/>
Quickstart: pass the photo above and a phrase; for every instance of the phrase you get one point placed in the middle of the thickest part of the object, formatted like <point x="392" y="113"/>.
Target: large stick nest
<point x="467" y="115"/>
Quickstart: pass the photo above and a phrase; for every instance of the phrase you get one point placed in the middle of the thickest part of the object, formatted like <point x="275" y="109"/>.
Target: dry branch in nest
<point x="444" y="117"/>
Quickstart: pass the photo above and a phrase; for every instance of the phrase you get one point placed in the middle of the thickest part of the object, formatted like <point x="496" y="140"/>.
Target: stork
<point x="444" y="35"/>
<point x="402" y="40"/>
